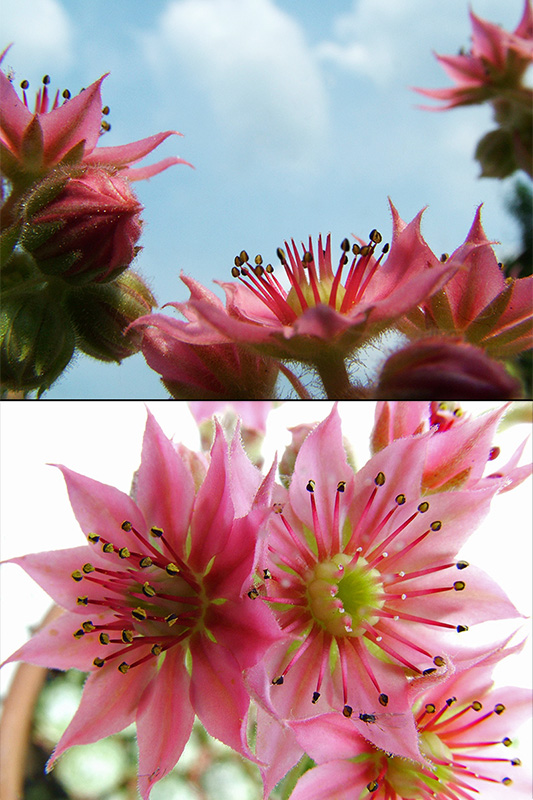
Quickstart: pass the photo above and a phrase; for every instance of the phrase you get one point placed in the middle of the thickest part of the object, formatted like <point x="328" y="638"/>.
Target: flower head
<point x="154" y="606"/>
<point x="322" y="313"/>
<point x="464" y="726"/>
<point x="478" y="303"/>
<point x="362" y="573"/>
<point x="494" y="66"/>
<point x="65" y="131"/>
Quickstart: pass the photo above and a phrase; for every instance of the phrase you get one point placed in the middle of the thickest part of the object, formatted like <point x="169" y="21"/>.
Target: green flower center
<point x="342" y="593"/>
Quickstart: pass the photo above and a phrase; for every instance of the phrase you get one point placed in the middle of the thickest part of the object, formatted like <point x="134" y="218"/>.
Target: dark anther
<point x="461" y="628"/>
<point x="98" y="662"/>
<point x="429" y="671"/>
<point x="124" y="667"/>
<point x="269" y="268"/>
<point x="506" y="781"/>
<point x="310" y="486"/>
<point x="307" y="258"/>
<point x="383" y="699"/>
<point x="108" y="548"/>
<point x="66" y="94"/>
<point x="345" y="245"/>
<point x="316" y="695"/>
<point x="171" y="569"/>
<point x="373" y="786"/>
<point x="82" y="601"/>
<point x="281" y="255"/>
<point x="157" y="532"/>
<point x="459" y="586"/>
<point x="341" y="486"/>
<point x="375" y="236"/>
<point x="77" y="575"/>
<point x="499" y="708"/>
<point x="105" y="111"/>
<point x="347" y="711"/>
<point x="235" y="272"/>
<point x="476" y="705"/>
<point x="258" y="259"/>
<point x="439" y="661"/>
<point x="436" y="526"/>
<point x="103" y="638"/>
<point x="451" y="700"/>
<point x="462" y="564"/>
<point x="400" y="499"/>
<point x="24" y="84"/>
<point x="253" y="593"/>
<point x="145" y="562"/>
<point x="126" y="526"/>
<point x="444" y="257"/>
<point x="379" y="480"/>
<point x="93" y="538"/>
<point x="124" y="552"/>
<point x="278" y="681"/>
<point x="507" y="742"/>
<point x="385" y="249"/>
<point x="267" y="575"/>
<point x="430" y="708"/>
<point x="423" y="507"/>
<point x="516" y="762"/>
<point x="356" y="249"/>
<point x="259" y="271"/>
<point x="46" y="80"/>
<point x="243" y="255"/>
<point x="87" y="568"/>
<point x="365" y="250"/>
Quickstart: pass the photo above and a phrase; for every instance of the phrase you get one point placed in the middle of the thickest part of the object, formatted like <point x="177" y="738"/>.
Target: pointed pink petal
<point x="462" y="451"/>
<point x="218" y="694"/>
<point x="52" y="570"/>
<point x="76" y="120"/>
<point x="164" y="721"/>
<point x="102" y="509"/>
<point x="213" y="511"/>
<point x="245" y="479"/>
<point x="246" y="629"/>
<point x="125" y="154"/>
<point x="394" y="420"/>
<point x="322" y="459"/>
<point x="142" y="173"/>
<point x="15" y="117"/>
<point x="337" y="780"/>
<point x="330" y="736"/>
<point x="164" y="488"/>
<point x="108" y="704"/>
<point x="488" y="41"/>
<point x="277" y="747"/>
<point x="55" y="647"/>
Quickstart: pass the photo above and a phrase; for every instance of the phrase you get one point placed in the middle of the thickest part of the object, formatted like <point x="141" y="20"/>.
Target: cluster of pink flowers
<point x="70" y="223"/>
<point x="329" y="615"/>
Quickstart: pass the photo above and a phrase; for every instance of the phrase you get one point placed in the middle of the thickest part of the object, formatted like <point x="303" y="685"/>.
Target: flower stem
<point x="334" y="377"/>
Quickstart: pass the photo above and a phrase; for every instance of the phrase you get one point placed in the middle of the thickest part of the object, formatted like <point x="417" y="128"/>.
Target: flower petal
<point x="164" y="721"/>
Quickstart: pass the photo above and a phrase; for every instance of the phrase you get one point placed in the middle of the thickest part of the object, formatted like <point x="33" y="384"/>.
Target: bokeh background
<point x="297" y="115"/>
<point x="103" y="440"/>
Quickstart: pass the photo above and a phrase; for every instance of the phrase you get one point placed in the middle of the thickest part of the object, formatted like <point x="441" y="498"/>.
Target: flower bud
<point x="101" y="313"/>
<point x="446" y="368"/>
<point x="36" y="340"/>
<point x="82" y="226"/>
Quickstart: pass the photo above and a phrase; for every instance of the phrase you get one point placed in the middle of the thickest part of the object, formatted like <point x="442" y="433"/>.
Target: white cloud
<point x="384" y="39"/>
<point x="40" y="31"/>
<point x="254" y="65"/>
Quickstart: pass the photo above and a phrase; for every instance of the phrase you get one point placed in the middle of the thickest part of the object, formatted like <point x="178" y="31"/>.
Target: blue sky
<point x="297" y="115"/>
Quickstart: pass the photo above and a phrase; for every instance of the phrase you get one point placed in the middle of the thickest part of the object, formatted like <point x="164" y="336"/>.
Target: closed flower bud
<point x="447" y="369"/>
<point x="82" y="227"/>
<point x="36" y="340"/>
<point x="101" y="313"/>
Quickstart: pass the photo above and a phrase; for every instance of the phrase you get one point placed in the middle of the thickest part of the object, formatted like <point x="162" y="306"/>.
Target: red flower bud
<point x="82" y="227"/>
<point x="446" y="368"/>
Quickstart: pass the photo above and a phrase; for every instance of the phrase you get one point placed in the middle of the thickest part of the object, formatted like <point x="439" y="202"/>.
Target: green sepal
<point x="32" y="146"/>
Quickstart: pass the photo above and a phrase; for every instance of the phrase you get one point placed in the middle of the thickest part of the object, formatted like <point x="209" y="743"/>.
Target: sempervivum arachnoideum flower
<point x="154" y="606"/>
<point x="464" y="726"/>
<point x="363" y="574"/>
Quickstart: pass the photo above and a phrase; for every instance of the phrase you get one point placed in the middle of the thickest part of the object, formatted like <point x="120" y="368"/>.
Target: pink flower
<point x="478" y="303"/>
<point x="64" y="131"/>
<point x="494" y="66"/>
<point x="322" y="317"/>
<point x="362" y="573"/>
<point x="460" y="448"/>
<point x="87" y="232"/>
<point x="160" y="583"/>
<point x="190" y="370"/>
<point x="464" y="727"/>
<point x="493" y="71"/>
